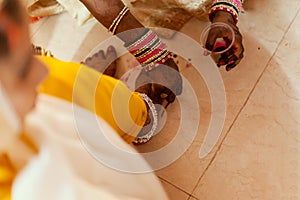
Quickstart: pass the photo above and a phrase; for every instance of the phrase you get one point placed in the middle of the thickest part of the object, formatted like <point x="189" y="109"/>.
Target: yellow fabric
<point x="109" y="98"/>
<point x="7" y="174"/>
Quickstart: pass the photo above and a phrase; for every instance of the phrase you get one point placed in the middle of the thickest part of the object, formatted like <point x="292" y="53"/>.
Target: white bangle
<point x="146" y="137"/>
<point x="117" y="20"/>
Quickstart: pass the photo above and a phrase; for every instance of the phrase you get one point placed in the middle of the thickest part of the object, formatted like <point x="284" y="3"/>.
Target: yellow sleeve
<point x="108" y="97"/>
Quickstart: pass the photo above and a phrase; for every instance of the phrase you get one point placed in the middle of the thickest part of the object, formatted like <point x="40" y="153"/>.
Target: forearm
<point x="106" y="11"/>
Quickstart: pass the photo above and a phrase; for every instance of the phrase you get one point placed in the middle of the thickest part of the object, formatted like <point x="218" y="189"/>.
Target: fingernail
<point x="228" y="69"/>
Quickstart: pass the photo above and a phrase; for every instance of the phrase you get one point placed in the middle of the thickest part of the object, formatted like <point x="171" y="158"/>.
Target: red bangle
<point x="149" y="50"/>
<point x="234" y="7"/>
<point x="225" y="8"/>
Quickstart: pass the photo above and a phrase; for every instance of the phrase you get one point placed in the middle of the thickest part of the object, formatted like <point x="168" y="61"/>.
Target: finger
<point x="211" y="39"/>
<point x="223" y="60"/>
<point x="145" y="89"/>
<point x="234" y="54"/>
<point x="232" y="59"/>
<point x="237" y="56"/>
<point x="230" y="66"/>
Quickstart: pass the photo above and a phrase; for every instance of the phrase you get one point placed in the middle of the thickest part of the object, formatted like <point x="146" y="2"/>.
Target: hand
<point x="162" y="83"/>
<point x="232" y="57"/>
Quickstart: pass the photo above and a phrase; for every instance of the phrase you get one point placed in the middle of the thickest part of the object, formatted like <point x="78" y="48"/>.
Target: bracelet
<point x="149" y="50"/>
<point x="237" y="4"/>
<point x="226" y="8"/>
<point x="117" y="20"/>
<point x="234" y="7"/>
<point x="145" y="138"/>
<point x="137" y="41"/>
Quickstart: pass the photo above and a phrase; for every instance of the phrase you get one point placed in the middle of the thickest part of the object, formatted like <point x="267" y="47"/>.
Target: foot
<point x="104" y="63"/>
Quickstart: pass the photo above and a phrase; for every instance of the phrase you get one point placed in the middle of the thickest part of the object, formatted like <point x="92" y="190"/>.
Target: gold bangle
<point x="117" y="20"/>
<point x="147" y="46"/>
<point x="230" y="2"/>
<point x="140" y="39"/>
<point x="156" y="58"/>
<point x="150" y="50"/>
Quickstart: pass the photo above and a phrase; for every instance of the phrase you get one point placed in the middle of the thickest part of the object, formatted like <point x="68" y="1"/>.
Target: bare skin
<point x="232" y="57"/>
<point x="105" y="12"/>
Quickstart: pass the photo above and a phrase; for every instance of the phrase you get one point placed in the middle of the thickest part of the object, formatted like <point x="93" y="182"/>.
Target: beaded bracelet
<point x="234" y="7"/>
<point x="145" y="138"/>
<point x="149" y="50"/>
<point x="117" y="20"/>
<point x="237" y="4"/>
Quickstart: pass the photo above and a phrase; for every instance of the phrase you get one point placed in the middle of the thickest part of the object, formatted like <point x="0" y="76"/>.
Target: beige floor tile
<point x="238" y="83"/>
<point x="260" y="158"/>
<point x="189" y="125"/>
<point x="263" y="26"/>
<point x="193" y="198"/>
<point x="266" y="20"/>
<point x="173" y="192"/>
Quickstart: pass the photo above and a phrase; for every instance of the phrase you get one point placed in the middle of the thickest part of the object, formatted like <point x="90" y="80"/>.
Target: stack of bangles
<point x="234" y="7"/>
<point x="148" y="49"/>
<point x="150" y="52"/>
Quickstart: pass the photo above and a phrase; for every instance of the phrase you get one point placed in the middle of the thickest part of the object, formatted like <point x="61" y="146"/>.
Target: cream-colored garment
<point x="43" y="8"/>
<point x="162" y="13"/>
<point x="172" y="14"/>
<point x="10" y="125"/>
<point x="64" y="169"/>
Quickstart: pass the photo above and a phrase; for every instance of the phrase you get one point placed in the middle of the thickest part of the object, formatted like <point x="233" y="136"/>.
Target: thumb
<point x="211" y="40"/>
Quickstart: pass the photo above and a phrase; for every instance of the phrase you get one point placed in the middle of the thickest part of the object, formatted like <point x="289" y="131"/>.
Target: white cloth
<point x="9" y="122"/>
<point x="51" y="7"/>
<point x="64" y="169"/>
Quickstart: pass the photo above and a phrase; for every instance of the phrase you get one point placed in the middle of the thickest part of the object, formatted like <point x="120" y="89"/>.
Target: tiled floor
<point x="258" y="153"/>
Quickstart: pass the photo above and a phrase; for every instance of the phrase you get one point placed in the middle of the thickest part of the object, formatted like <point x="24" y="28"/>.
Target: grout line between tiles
<point x="194" y="198"/>
<point x="175" y="186"/>
<point x="245" y="103"/>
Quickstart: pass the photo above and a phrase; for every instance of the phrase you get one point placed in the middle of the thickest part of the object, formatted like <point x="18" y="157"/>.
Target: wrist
<point x="150" y="125"/>
<point x="223" y="16"/>
<point x="129" y="28"/>
<point x="233" y="7"/>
